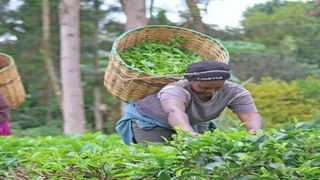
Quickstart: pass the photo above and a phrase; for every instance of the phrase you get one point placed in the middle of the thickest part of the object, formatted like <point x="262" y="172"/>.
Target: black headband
<point x="208" y="71"/>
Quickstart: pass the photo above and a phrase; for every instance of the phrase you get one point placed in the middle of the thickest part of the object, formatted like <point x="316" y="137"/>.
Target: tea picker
<point x="189" y="100"/>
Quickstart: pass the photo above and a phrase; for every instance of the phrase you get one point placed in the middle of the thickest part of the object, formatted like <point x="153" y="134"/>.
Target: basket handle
<point x="171" y="76"/>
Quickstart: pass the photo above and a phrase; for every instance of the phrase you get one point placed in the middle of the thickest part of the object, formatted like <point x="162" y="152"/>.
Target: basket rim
<point x="10" y="59"/>
<point x="215" y="41"/>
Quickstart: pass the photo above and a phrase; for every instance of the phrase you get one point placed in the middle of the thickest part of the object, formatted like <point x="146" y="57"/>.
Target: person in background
<point x="4" y="116"/>
<point x="191" y="104"/>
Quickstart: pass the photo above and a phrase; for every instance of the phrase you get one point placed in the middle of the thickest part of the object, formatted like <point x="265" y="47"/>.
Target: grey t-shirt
<point x="232" y="95"/>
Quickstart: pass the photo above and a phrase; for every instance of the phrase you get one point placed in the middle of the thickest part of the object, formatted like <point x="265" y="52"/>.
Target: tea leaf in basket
<point x="159" y="57"/>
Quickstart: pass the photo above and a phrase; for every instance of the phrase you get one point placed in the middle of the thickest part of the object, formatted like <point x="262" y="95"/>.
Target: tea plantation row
<point x="232" y="154"/>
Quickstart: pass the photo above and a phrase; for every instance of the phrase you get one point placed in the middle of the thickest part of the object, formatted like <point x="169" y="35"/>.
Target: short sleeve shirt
<point x="232" y="95"/>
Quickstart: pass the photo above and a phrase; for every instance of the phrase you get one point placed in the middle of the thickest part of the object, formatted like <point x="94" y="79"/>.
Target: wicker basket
<point x="130" y="84"/>
<point x="10" y="81"/>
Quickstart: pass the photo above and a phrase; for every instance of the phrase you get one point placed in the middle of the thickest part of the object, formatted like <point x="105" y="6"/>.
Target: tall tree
<point x="98" y="32"/>
<point x="288" y="28"/>
<point x="26" y="46"/>
<point x="46" y="46"/>
<point x="98" y="119"/>
<point x="196" y="16"/>
<point x="135" y="11"/>
<point x="74" y="116"/>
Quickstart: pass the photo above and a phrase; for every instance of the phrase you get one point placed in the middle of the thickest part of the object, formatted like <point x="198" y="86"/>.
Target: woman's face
<point x="206" y="88"/>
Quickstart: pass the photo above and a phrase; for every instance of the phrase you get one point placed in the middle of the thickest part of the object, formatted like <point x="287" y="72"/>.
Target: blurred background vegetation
<point x="275" y="53"/>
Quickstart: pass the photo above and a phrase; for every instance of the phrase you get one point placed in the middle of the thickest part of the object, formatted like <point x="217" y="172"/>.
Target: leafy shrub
<point x="222" y="155"/>
<point x="279" y="101"/>
<point x="310" y="88"/>
<point x="52" y="128"/>
<point x="269" y="63"/>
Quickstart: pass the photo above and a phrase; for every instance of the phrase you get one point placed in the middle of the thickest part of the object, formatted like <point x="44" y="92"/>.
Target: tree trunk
<point x="151" y="9"/>
<point x="48" y="99"/>
<point x="47" y="52"/>
<point x="74" y="116"/>
<point x="135" y="11"/>
<point x="195" y="13"/>
<point x="98" y="118"/>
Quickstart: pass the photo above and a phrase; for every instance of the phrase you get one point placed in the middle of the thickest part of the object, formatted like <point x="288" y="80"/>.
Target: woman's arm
<point x="176" y="114"/>
<point x="252" y="120"/>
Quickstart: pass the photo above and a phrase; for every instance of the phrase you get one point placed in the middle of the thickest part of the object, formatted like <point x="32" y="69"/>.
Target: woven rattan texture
<point x="134" y="89"/>
<point x="10" y="81"/>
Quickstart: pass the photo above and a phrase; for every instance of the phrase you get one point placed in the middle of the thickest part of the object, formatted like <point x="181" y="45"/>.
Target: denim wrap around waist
<point x="124" y="128"/>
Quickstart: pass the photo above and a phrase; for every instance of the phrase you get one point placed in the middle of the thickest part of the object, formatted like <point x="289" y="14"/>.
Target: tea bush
<point x="310" y="88"/>
<point x="233" y="154"/>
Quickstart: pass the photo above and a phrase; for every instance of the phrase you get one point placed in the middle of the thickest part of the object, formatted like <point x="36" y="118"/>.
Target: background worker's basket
<point x="10" y="81"/>
<point x="130" y="84"/>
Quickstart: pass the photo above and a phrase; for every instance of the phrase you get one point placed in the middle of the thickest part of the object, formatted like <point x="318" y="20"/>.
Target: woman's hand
<point x="253" y="121"/>
<point x="252" y="131"/>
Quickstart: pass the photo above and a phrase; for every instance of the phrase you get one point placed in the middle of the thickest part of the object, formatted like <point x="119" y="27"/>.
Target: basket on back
<point x="130" y="84"/>
<point x="10" y="81"/>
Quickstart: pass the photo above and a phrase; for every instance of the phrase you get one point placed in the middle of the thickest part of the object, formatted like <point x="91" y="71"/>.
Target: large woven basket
<point x="10" y="81"/>
<point x="130" y="84"/>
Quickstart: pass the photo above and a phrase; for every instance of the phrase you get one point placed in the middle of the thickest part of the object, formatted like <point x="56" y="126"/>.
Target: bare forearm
<point x="176" y="114"/>
<point x="253" y="121"/>
<point x="181" y="120"/>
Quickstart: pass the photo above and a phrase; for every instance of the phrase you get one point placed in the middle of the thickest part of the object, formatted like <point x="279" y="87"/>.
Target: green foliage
<point x="286" y="27"/>
<point x="310" y="88"/>
<point x="160" y="18"/>
<point x="267" y="7"/>
<point x="25" y="23"/>
<point x="279" y="101"/>
<point x="160" y="58"/>
<point x="273" y="64"/>
<point x="232" y="154"/>
<point x="290" y="34"/>
<point x="51" y="128"/>
<point x="243" y="45"/>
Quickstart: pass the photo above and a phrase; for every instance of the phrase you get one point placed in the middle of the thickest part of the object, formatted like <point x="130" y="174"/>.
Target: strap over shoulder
<point x="182" y="84"/>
